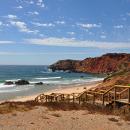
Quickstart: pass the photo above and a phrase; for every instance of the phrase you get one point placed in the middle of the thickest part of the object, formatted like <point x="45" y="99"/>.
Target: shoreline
<point x="77" y="88"/>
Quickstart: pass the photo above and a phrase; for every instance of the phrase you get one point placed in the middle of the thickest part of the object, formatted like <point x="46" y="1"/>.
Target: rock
<point x="39" y="83"/>
<point x="81" y="76"/>
<point x="9" y="83"/>
<point x="65" y="65"/>
<point x="104" y="64"/>
<point x="22" y="82"/>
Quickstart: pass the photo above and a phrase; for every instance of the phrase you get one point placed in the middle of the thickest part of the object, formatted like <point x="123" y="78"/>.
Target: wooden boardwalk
<point x="118" y="94"/>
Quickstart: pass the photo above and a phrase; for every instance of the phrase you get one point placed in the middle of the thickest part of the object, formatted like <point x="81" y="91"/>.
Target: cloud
<point x="42" y="53"/>
<point x="11" y="16"/>
<point x="43" y="24"/>
<point x="128" y="14"/>
<point x="71" y="42"/>
<point x="40" y="3"/>
<point x="33" y="13"/>
<point x="7" y="42"/>
<point x="89" y="25"/>
<point x="1" y="23"/>
<point x="60" y="22"/>
<point x="103" y="36"/>
<point x="118" y="26"/>
<point x="19" y="7"/>
<point x="71" y="33"/>
<point x="22" y="27"/>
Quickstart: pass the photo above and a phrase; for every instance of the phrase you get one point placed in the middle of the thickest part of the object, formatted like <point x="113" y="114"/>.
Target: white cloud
<point x="118" y="26"/>
<point x="6" y="42"/>
<point x="60" y="22"/>
<point x="11" y="16"/>
<point x="31" y="2"/>
<point x="33" y="13"/>
<point x="52" y="41"/>
<point x="43" y="24"/>
<point x="1" y="23"/>
<point x="19" y="7"/>
<point x="71" y="33"/>
<point x="40" y="3"/>
<point x="42" y="53"/>
<point x="128" y="14"/>
<point x="89" y="25"/>
<point x="103" y="36"/>
<point x="22" y="27"/>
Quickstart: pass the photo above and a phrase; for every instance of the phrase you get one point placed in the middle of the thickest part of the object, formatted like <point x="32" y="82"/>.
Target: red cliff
<point x="107" y="63"/>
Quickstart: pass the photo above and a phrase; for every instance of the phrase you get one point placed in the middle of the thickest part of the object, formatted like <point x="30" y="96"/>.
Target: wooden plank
<point x="123" y="101"/>
<point x="103" y="99"/>
<point x="122" y="86"/>
<point x="115" y="98"/>
<point x="129" y="95"/>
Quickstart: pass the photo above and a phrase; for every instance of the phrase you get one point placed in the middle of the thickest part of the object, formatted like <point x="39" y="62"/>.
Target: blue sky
<point x="39" y="32"/>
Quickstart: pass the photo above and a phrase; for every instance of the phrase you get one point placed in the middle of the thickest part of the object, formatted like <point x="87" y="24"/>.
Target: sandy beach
<point x="66" y="90"/>
<point x="43" y="118"/>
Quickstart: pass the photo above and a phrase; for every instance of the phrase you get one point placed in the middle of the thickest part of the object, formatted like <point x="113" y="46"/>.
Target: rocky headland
<point x="108" y="63"/>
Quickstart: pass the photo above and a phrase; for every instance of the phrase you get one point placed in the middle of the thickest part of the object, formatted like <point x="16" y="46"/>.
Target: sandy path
<point x="43" y="119"/>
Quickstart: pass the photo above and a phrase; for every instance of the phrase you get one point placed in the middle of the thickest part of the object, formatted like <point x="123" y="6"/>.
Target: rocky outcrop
<point x="22" y="82"/>
<point x="107" y="63"/>
<point x="64" y="65"/>
<point x="8" y="83"/>
<point x="39" y="83"/>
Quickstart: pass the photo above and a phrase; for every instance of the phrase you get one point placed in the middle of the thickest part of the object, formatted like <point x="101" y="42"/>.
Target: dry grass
<point x="12" y="107"/>
<point x="56" y="114"/>
<point x="113" y="119"/>
<point x="9" y="107"/>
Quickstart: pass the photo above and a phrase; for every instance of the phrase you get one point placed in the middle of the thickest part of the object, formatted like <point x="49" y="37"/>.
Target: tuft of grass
<point x="56" y="114"/>
<point x="126" y="117"/>
<point x="113" y="119"/>
<point x="9" y="107"/>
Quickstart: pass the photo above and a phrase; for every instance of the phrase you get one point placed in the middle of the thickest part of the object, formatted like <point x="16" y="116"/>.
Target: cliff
<point x="117" y="78"/>
<point x="108" y="63"/>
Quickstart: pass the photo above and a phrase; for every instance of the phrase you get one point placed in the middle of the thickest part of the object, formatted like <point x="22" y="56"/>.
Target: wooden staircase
<point x="117" y="94"/>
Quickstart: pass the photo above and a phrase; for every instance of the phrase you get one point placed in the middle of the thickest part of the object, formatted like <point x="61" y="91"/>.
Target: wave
<point x="2" y="85"/>
<point x="46" y="72"/>
<point x="12" y="80"/>
<point x="48" y="78"/>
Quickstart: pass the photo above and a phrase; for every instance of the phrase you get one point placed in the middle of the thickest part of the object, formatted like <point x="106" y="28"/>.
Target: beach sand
<point x="42" y="118"/>
<point x="66" y="90"/>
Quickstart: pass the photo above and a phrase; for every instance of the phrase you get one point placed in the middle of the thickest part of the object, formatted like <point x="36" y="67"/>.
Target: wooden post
<point x="94" y="98"/>
<point x="129" y="95"/>
<point x="128" y="99"/>
<point x="103" y="99"/>
<point x="79" y="100"/>
<point x="115" y="98"/>
<point x="73" y="97"/>
<point x="68" y="98"/>
<point x="86" y="97"/>
<point x="46" y="98"/>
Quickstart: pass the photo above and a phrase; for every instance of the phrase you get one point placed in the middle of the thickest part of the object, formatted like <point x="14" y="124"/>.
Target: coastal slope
<point x="108" y="63"/>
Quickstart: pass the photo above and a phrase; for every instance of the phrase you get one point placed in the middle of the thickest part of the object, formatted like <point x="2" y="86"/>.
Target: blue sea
<point x="51" y="80"/>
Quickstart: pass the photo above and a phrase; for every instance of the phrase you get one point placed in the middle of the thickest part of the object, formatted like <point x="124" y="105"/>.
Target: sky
<point x="40" y="32"/>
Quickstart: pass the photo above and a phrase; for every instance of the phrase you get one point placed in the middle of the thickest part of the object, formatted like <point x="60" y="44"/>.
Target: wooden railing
<point x="110" y="95"/>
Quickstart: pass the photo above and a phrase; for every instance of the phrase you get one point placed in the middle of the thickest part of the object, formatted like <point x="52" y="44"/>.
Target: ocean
<point x="34" y="74"/>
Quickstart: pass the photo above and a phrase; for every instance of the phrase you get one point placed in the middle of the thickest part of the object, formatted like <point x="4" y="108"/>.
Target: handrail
<point x="122" y="86"/>
<point x="108" y="90"/>
<point x="123" y="90"/>
<point x="95" y="92"/>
